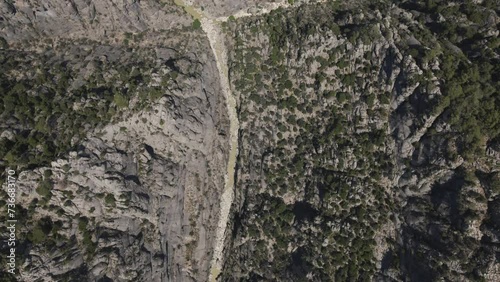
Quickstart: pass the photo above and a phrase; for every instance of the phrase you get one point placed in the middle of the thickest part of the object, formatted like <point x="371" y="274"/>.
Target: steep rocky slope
<point x="104" y="20"/>
<point x="368" y="143"/>
<point x="118" y="130"/>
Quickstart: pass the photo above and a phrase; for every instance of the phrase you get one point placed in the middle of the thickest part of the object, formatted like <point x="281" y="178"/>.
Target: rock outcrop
<point x="97" y="20"/>
<point x="351" y="166"/>
<point x="139" y="140"/>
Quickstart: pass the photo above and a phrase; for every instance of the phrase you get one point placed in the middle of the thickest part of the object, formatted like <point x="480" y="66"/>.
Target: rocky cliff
<point x="103" y="20"/>
<point x="367" y="136"/>
<point x="116" y="125"/>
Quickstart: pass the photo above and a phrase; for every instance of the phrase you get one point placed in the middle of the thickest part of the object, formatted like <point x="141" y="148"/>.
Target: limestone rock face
<point x="351" y="165"/>
<point x="158" y="226"/>
<point x="27" y="20"/>
<point x="148" y="186"/>
<point x="133" y="196"/>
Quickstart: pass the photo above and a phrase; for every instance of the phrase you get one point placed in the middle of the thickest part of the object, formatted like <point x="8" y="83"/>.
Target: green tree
<point x="110" y="200"/>
<point x="196" y="24"/>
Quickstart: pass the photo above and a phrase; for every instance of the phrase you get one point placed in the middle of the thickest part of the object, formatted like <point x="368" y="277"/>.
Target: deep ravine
<point x="212" y="27"/>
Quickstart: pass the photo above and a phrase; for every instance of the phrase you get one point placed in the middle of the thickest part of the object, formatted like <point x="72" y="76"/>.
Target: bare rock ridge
<point x="26" y="20"/>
